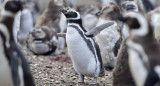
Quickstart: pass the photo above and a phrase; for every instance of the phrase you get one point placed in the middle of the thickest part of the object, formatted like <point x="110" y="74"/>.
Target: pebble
<point x="57" y="82"/>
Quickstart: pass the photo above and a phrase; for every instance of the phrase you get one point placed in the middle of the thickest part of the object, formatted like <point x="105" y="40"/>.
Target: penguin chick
<point x="14" y="67"/>
<point x="42" y="33"/>
<point x="83" y="50"/>
<point x="43" y="41"/>
<point x="46" y="36"/>
<point x="144" y="50"/>
<point x="108" y="37"/>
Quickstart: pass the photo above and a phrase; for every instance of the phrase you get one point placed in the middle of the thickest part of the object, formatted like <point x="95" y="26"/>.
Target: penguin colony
<point x="119" y="35"/>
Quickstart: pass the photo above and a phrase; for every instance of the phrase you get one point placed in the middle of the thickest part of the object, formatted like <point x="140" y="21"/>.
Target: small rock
<point x="48" y="66"/>
<point x="57" y="82"/>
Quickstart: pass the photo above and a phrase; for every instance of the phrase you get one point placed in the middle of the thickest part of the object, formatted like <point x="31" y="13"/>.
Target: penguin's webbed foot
<point x="81" y="79"/>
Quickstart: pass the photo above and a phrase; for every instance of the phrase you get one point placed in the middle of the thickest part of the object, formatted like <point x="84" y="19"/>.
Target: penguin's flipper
<point x="93" y="32"/>
<point x="14" y="67"/>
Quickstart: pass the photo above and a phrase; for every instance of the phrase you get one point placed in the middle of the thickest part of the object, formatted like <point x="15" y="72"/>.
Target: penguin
<point x="63" y="28"/>
<point x="49" y="20"/>
<point x="143" y="49"/>
<point x="127" y="6"/>
<point x="15" y="70"/>
<point x="83" y="50"/>
<point x="108" y="37"/>
<point x="121" y="73"/>
<point x="50" y="14"/>
<point x="154" y="17"/>
<point x="43" y="41"/>
<point x="122" y="69"/>
<point x="26" y="25"/>
<point x="90" y="19"/>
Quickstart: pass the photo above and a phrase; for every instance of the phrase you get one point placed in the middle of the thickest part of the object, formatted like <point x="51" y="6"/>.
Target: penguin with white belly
<point x="83" y="50"/>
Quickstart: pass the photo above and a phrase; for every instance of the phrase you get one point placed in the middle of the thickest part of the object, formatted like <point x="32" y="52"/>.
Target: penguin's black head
<point x="70" y="13"/>
<point x="130" y="6"/>
<point x="137" y="23"/>
<point x="13" y="6"/>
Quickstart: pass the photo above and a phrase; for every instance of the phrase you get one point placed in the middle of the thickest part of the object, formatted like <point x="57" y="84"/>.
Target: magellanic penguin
<point x="14" y="67"/>
<point x="108" y="37"/>
<point x="143" y="50"/>
<point x="26" y="25"/>
<point x="127" y="6"/>
<point x="121" y="73"/>
<point x="122" y="69"/>
<point x="83" y="50"/>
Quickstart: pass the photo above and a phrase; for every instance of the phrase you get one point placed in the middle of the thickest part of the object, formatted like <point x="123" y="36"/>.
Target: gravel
<point x="58" y="71"/>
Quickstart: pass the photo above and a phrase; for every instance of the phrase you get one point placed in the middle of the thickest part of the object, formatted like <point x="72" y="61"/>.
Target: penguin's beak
<point x="63" y="11"/>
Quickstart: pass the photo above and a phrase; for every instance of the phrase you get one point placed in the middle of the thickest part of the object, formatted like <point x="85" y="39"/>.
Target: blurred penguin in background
<point x="108" y="38"/>
<point x="15" y="70"/>
<point x="46" y="28"/>
<point x="90" y="19"/>
<point x="143" y="49"/>
<point x="154" y="19"/>
<point x="26" y="25"/>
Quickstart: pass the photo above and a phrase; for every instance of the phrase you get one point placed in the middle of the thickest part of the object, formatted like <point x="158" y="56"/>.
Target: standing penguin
<point x="26" y="25"/>
<point x="121" y="73"/>
<point x="14" y="67"/>
<point x="108" y="37"/>
<point x="144" y="50"/>
<point x="84" y="52"/>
